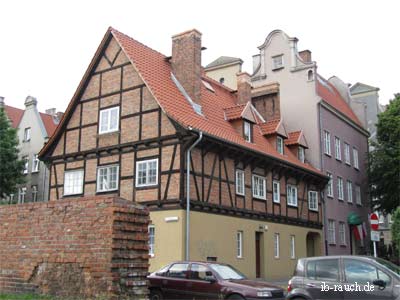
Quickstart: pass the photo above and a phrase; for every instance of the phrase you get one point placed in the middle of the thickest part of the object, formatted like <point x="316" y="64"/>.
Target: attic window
<point x="222" y="80"/>
<point x="208" y="86"/>
<point x="300" y="154"/>
<point x="277" y="62"/>
<point x="279" y="144"/>
<point x="247" y="131"/>
<point x="310" y="75"/>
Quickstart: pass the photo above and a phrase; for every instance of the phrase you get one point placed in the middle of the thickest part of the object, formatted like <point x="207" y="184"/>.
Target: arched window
<point x="310" y="75"/>
<point x="222" y="80"/>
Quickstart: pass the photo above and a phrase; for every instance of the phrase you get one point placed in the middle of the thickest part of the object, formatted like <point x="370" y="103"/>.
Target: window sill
<point x="73" y="195"/>
<point x="348" y="164"/>
<point x="292" y="205"/>
<point x="343" y="246"/>
<point x="146" y="187"/>
<point x="332" y="244"/>
<point x="277" y="68"/>
<point x="108" y="133"/>
<point x="340" y="199"/>
<point x="329" y="196"/>
<point x="338" y="159"/>
<point x="277" y="257"/>
<point x="313" y="210"/>
<point x="107" y="191"/>
<point x="240" y="195"/>
<point x="276" y="202"/>
<point x="259" y="198"/>
<point x="328" y="154"/>
<point x="348" y="202"/>
<point x="33" y="172"/>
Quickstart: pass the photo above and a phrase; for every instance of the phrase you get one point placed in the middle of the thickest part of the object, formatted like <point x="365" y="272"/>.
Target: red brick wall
<point x="75" y="247"/>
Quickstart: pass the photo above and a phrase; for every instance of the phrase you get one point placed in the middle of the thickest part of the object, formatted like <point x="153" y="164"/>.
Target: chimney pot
<point x="243" y="87"/>
<point x="51" y="111"/>
<point x="30" y="101"/>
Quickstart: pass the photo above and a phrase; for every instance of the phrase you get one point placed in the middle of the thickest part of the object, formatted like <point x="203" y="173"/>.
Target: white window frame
<point x="21" y="194"/>
<point x="340" y="188"/>
<point x="34" y="193"/>
<point x="292" y="195"/>
<point x="313" y="200"/>
<point x="80" y="176"/>
<point x="338" y="149"/>
<point x="342" y="233"/>
<point x="292" y="247"/>
<point x="279" y="145"/>
<point x="108" y="111"/>
<point x="327" y="142"/>
<point x="347" y="158"/>
<point x="276" y="191"/>
<point x="147" y="170"/>
<point x="331" y="232"/>
<point x="27" y="134"/>
<point x="301" y="154"/>
<point x="256" y="192"/>
<point x="276" y="245"/>
<point x="152" y="233"/>
<point x="329" y="191"/>
<point x="239" y="244"/>
<point x="35" y="163"/>
<point x="240" y="184"/>
<point x="349" y="186"/>
<point x="358" y="195"/>
<point x="277" y="62"/>
<point x="26" y="164"/>
<point x="247" y="131"/>
<point x="108" y="169"/>
<point x="355" y="158"/>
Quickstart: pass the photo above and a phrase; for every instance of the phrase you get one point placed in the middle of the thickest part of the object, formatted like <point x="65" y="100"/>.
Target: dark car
<point x="201" y="280"/>
<point x="344" y="277"/>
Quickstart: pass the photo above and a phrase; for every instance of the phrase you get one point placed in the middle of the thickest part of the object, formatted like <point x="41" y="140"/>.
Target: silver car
<point x="344" y="278"/>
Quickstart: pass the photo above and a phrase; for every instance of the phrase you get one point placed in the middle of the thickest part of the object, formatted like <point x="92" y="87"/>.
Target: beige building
<point x="224" y="70"/>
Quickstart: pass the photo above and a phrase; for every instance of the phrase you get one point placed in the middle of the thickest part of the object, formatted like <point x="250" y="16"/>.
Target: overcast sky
<point x="46" y="46"/>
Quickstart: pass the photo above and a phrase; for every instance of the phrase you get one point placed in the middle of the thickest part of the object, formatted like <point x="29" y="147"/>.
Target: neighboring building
<point x="128" y="131"/>
<point x="224" y="70"/>
<point x="34" y="129"/>
<point x="337" y="140"/>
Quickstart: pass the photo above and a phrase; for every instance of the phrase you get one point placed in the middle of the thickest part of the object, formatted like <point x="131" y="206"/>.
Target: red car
<point x="208" y="280"/>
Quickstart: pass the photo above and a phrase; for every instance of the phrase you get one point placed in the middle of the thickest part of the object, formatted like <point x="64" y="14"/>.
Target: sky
<point x="46" y="46"/>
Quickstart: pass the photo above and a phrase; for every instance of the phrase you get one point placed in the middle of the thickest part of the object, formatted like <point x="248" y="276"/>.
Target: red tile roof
<point x="293" y="138"/>
<point x="14" y="114"/>
<point x="331" y="96"/>
<point x="49" y="124"/>
<point x="155" y="70"/>
<point x="270" y="127"/>
<point x="234" y="112"/>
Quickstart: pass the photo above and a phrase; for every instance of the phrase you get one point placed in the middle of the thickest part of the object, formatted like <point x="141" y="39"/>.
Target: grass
<point x="24" y="297"/>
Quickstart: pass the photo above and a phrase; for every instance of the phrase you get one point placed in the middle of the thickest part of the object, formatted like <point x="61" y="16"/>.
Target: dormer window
<point x="279" y="144"/>
<point x="247" y="131"/>
<point x="277" y="62"/>
<point x="301" y="154"/>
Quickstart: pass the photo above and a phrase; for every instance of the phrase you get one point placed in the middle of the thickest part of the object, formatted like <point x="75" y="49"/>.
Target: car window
<point x="162" y="271"/>
<point x="178" y="270"/>
<point x="200" y="272"/>
<point x="324" y="269"/>
<point x="359" y="271"/>
<point x="383" y="276"/>
<point x="227" y="272"/>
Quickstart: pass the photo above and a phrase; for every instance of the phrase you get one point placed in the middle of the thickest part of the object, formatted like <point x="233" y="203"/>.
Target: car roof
<point x="360" y="257"/>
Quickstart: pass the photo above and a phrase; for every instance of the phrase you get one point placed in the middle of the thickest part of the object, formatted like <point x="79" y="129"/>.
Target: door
<point x="174" y="285"/>
<point x="258" y="253"/>
<point x="359" y="281"/>
<point x="202" y="284"/>
<point x="322" y="279"/>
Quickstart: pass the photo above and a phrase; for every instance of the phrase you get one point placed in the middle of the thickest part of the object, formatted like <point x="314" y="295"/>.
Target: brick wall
<point x="83" y="247"/>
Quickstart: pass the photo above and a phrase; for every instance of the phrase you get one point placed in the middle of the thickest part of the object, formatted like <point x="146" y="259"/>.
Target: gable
<point x="362" y="88"/>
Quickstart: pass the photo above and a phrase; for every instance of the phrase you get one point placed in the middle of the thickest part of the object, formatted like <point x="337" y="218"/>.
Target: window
<point x="222" y="80"/>
<point x="292" y="195"/>
<point x="35" y="163"/>
<point x="331" y="232"/>
<point x="34" y="193"/>
<point x="21" y="195"/>
<point x="247" y="131"/>
<point x="151" y="240"/>
<point x="310" y="75"/>
<point x="109" y="119"/>
<point x="276" y="245"/>
<point x="323" y="269"/>
<point x="107" y="178"/>
<point x="347" y="153"/>
<point x="27" y="134"/>
<point x="147" y="172"/>
<point x="276" y="190"/>
<point x="342" y="233"/>
<point x="279" y="144"/>
<point x="361" y="272"/>
<point x="73" y="182"/>
<point x="200" y="272"/>
<point x="178" y="270"/>
<point x="355" y="158"/>
<point x="349" y="191"/>
<point x="240" y="182"/>
<point x="358" y="194"/>
<point x="277" y="62"/>
<point x="330" y="185"/>
<point x="239" y="244"/>
<point x="292" y="247"/>
<point x="26" y="164"/>
<point x="338" y="151"/>
<point x="313" y="200"/>
<point x="301" y="154"/>
<point x="327" y="142"/>
<point x="259" y="187"/>
<point x="340" y="188"/>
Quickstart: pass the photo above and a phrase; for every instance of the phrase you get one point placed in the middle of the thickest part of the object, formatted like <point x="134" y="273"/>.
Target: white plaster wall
<point x="228" y="72"/>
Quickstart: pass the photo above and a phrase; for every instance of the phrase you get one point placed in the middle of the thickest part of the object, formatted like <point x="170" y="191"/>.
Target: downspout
<point x="187" y="256"/>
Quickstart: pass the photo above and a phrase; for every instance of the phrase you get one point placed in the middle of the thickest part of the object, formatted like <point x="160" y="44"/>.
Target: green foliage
<point x="10" y="166"/>
<point x="384" y="165"/>
<point x="396" y="228"/>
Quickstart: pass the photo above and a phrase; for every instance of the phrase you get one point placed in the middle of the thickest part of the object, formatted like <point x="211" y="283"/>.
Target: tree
<point x="396" y="229"/>
<point x="11" y="166"/>
<point x="384" y="164"/>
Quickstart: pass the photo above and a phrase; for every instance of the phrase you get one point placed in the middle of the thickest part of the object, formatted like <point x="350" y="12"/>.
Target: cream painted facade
<point x="227" y="72"/>
<point x="214" y="235"/>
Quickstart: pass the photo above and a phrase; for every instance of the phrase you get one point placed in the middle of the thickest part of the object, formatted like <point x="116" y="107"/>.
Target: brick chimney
<point x="243" y="88"/>
<point x="305" y="55"/>
<point x="186" y="62"/>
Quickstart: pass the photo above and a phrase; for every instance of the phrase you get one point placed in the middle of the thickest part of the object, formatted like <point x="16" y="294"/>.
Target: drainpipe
<point x="187" y="256"/>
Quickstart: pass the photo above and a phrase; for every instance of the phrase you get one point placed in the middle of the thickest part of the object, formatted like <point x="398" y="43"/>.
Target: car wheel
<point x="236" y="297"/>
<point x="156" y="295"/>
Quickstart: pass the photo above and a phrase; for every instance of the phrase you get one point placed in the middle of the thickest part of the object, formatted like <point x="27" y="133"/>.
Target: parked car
<point x="344" y="277"/>
<point x="208" y="280"/>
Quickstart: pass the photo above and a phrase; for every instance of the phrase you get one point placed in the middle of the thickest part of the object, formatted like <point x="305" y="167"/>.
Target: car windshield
<point x="227" y="272"/>
<point x="389" y="265"/>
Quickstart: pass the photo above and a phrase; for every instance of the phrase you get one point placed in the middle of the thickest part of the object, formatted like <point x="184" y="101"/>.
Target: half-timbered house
<point x="129" y="128"/>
